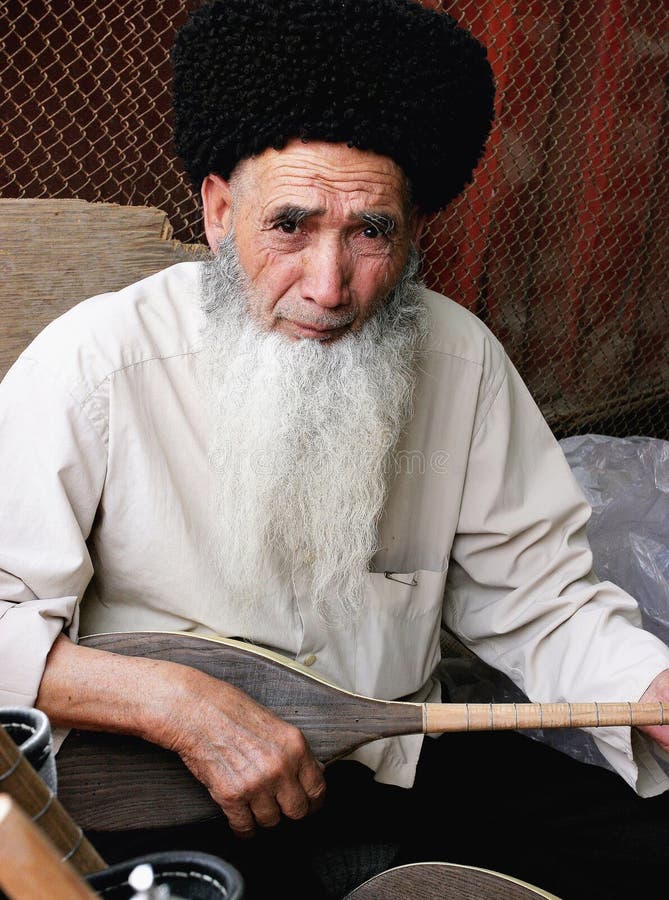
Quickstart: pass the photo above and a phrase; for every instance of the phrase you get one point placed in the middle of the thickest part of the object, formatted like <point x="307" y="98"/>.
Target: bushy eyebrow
<point x="385" y="223"/>
<point x="295" y="214"/>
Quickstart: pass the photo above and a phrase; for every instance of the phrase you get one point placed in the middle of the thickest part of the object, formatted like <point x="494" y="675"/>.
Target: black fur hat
<point x="383" y="75"/>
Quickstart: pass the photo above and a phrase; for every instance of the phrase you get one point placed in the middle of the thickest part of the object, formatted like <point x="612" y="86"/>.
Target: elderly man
<point x="299" y="445"/>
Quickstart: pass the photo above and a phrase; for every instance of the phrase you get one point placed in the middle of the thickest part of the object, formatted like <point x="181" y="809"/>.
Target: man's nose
<point x="326" y="274"/>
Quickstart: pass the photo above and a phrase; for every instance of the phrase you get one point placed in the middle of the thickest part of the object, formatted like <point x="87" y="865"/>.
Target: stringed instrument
<point x="110" y="782"/>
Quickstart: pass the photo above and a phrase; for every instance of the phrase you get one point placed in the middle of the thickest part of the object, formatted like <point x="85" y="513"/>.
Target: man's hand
<point x="255" y="766"/>
<point x="658" y="691"/>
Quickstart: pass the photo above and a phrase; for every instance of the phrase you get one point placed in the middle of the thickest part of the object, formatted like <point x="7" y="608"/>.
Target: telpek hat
<point x="388" y="76"/>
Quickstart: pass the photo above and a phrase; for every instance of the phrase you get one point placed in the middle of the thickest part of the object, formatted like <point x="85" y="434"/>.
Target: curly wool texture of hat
<point x="383" y="75"/>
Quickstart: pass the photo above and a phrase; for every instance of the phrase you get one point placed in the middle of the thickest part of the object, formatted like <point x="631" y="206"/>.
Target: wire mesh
<point x="559" y="244"/>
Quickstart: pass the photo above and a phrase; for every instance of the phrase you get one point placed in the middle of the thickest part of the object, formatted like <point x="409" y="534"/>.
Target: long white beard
<point x="302" y="438"/>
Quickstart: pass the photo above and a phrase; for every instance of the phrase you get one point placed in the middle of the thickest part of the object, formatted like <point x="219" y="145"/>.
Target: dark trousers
<point x="500" y="801"/>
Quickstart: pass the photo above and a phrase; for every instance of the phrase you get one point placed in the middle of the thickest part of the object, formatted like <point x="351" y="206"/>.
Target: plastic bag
<point x="626" y="481"/>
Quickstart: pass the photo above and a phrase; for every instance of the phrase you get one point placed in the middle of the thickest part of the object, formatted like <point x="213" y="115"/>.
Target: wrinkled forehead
<point x="331" y="176"/>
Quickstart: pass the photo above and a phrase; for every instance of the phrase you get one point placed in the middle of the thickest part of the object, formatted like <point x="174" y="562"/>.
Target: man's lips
<point x="309" y="329"/>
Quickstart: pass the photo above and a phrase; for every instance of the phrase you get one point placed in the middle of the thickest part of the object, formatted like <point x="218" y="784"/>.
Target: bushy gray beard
<point x="302" y="437"/>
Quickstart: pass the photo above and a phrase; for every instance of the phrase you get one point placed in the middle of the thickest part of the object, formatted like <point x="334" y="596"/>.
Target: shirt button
<point x="310" y="659"/>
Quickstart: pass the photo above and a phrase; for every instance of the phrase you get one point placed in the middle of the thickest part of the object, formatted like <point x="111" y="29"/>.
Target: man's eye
<point x="371" y="231"/>
<point x="287" y="227"/>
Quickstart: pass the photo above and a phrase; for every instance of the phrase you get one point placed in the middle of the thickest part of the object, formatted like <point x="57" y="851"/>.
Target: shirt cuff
<point x="28" y="632"/>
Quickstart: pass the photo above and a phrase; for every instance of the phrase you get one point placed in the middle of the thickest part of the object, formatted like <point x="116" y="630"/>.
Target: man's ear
<point x="217" y="209"/>
<point x="416" y="225"/>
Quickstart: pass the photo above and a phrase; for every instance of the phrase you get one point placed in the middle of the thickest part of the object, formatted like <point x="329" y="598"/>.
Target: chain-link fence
<point x="559" y="245"/>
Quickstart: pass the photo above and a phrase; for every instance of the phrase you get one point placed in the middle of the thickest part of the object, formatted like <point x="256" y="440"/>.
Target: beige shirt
<point x="104" y="523"/>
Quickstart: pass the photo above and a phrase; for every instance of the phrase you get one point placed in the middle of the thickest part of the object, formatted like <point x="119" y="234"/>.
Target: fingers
<point x="292" y="797"/>
<point x="300" y="788"/>
<point x="659" y="733"/>
<point x="295" y="803"/>
<point x="241" y="820"/>
<point x="266" y="810"/>
<point x="658" y="690"/>
<point x="313" y="783"/>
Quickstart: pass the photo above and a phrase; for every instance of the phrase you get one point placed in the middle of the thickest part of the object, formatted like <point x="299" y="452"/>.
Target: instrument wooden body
<point x="21" y="784"/>
<point x="110" y="782"/>
<point x="445" y="881"/>
<point x="30" y="866"/>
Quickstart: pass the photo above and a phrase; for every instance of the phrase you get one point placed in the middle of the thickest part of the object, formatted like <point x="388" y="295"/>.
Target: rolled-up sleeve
<point x="52" y="470"/>
<point x="522" y="593"/>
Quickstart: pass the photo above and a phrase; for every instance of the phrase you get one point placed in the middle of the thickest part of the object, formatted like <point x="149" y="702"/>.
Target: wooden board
<point x="55" y="253"/>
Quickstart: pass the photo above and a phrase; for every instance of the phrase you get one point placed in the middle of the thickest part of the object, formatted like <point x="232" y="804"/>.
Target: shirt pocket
<point x="397" y="646"/>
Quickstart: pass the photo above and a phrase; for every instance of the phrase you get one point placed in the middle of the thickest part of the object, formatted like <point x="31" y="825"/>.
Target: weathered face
<point x="322" y="231"/>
